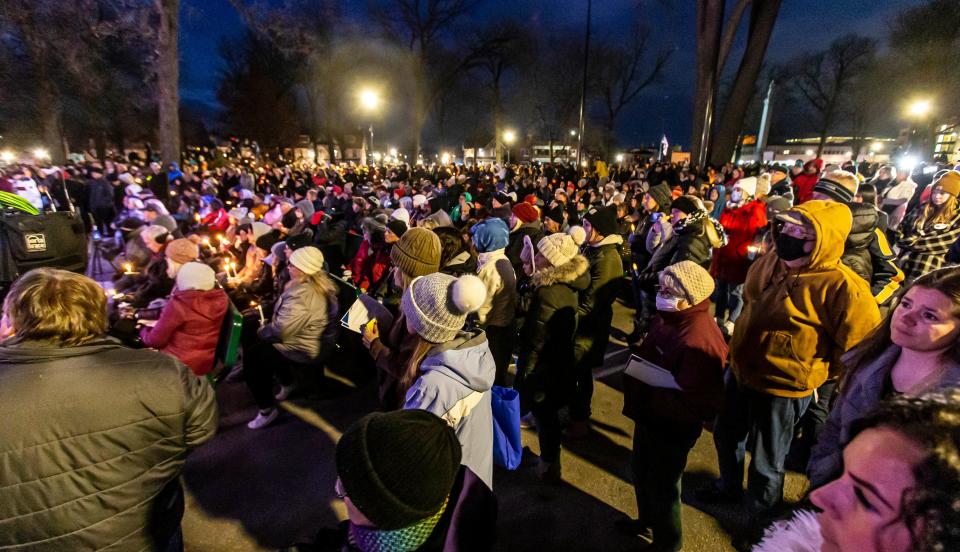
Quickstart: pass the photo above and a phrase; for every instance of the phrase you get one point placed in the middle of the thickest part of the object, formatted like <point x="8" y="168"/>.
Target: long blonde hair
<point x="937" y="214"/>
<point x="320" y="281"/>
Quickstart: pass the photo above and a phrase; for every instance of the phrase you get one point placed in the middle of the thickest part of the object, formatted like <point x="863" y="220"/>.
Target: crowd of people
<point x="807" y="314"/>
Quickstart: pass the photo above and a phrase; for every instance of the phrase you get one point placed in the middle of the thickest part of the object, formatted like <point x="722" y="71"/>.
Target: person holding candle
<point x="189" y="325"/>
<point x="300" y="335"/>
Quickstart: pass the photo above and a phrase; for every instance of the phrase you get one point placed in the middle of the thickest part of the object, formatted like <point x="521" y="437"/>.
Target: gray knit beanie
<point x="437" y="305"/>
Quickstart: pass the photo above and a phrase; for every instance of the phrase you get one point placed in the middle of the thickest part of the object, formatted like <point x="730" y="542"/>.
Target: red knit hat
<point x="530" y="198"/>
<point x="526" y="212"/>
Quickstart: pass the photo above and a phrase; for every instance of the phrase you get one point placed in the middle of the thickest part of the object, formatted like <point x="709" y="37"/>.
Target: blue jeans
<point x="764" y="422"/>
<point x="729" y="301"/>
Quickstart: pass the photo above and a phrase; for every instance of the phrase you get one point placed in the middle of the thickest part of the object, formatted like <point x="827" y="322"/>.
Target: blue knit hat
<point x="490" y="234"/>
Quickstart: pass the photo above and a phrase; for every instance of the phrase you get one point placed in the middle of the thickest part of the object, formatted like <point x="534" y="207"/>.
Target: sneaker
<point x="528" y="421"/>
<point x="549" y="472"/>
<point x="263" y="418"/>
<point x="284" y="392"/>
<point x="634" y="528"/>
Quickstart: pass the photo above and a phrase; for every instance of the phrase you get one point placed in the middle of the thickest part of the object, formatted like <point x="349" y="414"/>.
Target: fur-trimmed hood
<point x="575" y="273"/>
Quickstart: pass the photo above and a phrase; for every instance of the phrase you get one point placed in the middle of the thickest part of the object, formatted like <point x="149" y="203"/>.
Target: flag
<point x="664" y="147"/>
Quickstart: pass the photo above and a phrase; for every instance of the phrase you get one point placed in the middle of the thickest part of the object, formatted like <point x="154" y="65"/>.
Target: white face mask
<point x="668" y="303"/>
<point x="736" y="196"/>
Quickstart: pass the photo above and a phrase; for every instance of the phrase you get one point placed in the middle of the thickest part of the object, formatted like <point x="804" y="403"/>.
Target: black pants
<point x="811" y="424"/>
<point x="261" y="362"/>
<point x="500" y="340"/>
<point x="659" y="456"/>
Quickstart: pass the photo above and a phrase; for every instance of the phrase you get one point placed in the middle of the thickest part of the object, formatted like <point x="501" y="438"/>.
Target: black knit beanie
<point x="398" y="467"/>
<point x="299" y="240"/>
<point x="603" y="220"/>
<point x="662" y="194"/>
<point x="267" y="241"/>
<point x="398" y="227"/>
<point x="685" y="204"/>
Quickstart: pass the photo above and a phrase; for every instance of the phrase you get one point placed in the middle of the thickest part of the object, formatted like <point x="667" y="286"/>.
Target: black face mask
<point x="790" y="248"/>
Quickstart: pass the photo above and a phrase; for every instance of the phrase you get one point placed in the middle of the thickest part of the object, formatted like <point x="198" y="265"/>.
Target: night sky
<point x="803" y="25"/>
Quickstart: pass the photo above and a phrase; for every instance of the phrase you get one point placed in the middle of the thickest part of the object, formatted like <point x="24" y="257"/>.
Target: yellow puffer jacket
<point x="796" y="323"/>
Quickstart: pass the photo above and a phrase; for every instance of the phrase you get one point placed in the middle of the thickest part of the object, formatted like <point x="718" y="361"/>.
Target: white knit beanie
<point x="153" y="232"/>
<point x="308" y="259"/>
<point x="259" y="228"/>
<point x="748" y="185"/>
<point x="401" y="214"/>
<point x="558" y="248"/>
<point x="195" y="276"/>
<point x="437" y="305"/>
<point x="419" y="200"/>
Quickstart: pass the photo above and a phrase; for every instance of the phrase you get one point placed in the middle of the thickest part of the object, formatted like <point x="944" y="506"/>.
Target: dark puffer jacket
<point x="595" y="312"/>
<point x="92" y="444"/>
<point x="868" y="253"/>
<point x="689" y="242"/>
<point x="545" y="364"/>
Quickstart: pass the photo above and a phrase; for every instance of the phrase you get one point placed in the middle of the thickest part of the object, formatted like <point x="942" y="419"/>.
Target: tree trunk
<point x="168" y="81"/>
<point x="48" y="108"/>
<point x="763" y="17"/>
<point x="709" y="27"/>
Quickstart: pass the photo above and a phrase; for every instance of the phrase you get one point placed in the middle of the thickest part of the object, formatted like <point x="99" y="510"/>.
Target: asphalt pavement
<point x="266" y="489"/>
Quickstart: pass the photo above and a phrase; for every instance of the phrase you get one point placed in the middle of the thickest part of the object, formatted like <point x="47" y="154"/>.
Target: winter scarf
<point x="713" y="229"/>
<point x="371" y="539"/>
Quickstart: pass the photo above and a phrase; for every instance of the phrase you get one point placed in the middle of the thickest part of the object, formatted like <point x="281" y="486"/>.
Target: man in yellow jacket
<point x="803" y="309"/>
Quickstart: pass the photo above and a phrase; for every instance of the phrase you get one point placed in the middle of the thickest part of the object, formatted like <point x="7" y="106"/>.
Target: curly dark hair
<point x="931" y="510"/>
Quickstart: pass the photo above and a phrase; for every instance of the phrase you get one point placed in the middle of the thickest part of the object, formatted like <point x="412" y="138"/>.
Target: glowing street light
<point x="509" y="137"/>
<point x="41" y="154"/>
<point x="445" y="158"/>
<point x="7" y="156"/>
<point x="619" y="158"/>
<point x="369" y="99"/>
<point x="919" y="108"/>
<point x="573" y="132"/>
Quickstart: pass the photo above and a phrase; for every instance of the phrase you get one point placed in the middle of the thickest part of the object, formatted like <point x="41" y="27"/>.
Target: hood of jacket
<point x="15" y="350"/>
<point x="865" y="220"/>
<point x="465" y="359"/>
<point x="612" y="239"/>
<point x="574" y="273"/>
<point x="832" y="222"/>
<point x="207" y="304"/>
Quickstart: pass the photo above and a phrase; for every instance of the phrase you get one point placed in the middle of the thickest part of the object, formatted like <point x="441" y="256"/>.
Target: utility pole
<point x="764" y="124"/>
<point x="583" y="90"/>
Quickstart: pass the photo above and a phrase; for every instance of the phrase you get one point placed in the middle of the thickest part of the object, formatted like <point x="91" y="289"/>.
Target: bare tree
<point x="168" y="80"/>
<point x="424" y="28"/>
<point x="709" y="31"/>
<point x="763" y="17"/>
<point x="623" y="71"/>
<point x="825" y="78"/>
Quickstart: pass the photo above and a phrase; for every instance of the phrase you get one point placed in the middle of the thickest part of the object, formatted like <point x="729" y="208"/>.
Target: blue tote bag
<point x="507" y="447"/>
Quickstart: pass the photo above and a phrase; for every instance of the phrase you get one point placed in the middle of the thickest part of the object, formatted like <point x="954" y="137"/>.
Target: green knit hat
<point x="398" y="467"/>
<point x="417" y="253"/>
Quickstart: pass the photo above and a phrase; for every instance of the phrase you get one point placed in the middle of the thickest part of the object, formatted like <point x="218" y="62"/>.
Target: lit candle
<point x="196" y="217"/>
<point x="127" y="268"/>
<point x="259" y="311"/>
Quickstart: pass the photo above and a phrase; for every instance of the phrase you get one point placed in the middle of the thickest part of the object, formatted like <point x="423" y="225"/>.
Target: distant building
<point x="836" y="149"/>
<point x="946" y="142"/>
<point x="540" y="153"/>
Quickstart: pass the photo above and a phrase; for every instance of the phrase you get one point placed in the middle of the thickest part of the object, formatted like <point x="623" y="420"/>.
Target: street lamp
<point x="919" y="108"/>
<point x="509" y="137"/>
<point x="445" y="158"/>
<point x="619" y="158"/>
<point x="41" y="154"/>
<point x="7" y="156"/>
<point x="370" y="101"/>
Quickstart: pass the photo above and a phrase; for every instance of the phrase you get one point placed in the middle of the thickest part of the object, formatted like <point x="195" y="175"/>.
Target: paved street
<point x="261" y="490"/>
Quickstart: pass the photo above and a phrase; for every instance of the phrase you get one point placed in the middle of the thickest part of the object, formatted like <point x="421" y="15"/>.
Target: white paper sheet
<point x="650" y="373"/>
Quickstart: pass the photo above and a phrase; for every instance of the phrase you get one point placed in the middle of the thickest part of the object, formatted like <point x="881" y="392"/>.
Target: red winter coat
<point x="743" y="224"/>
<point x="370" y="265"/>
<point x="216" y="221"/>
<point x="189" y="328"/>
<point x="690" y="346"/>
<point x="804" y="182"/>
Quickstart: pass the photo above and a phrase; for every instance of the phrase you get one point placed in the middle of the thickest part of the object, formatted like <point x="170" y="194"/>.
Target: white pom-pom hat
<point x="558" y="248"/>
<point x="436" y="305"/>
<point x="578" y="234"/>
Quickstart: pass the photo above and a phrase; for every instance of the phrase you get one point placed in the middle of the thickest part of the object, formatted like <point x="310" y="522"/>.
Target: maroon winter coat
<point x="189" y="327"/>
<point x="689" y="344"/>
<point x="742" y="225"/>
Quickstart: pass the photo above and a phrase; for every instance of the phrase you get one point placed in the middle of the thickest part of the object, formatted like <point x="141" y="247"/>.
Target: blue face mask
<point x="736" y="196"/>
